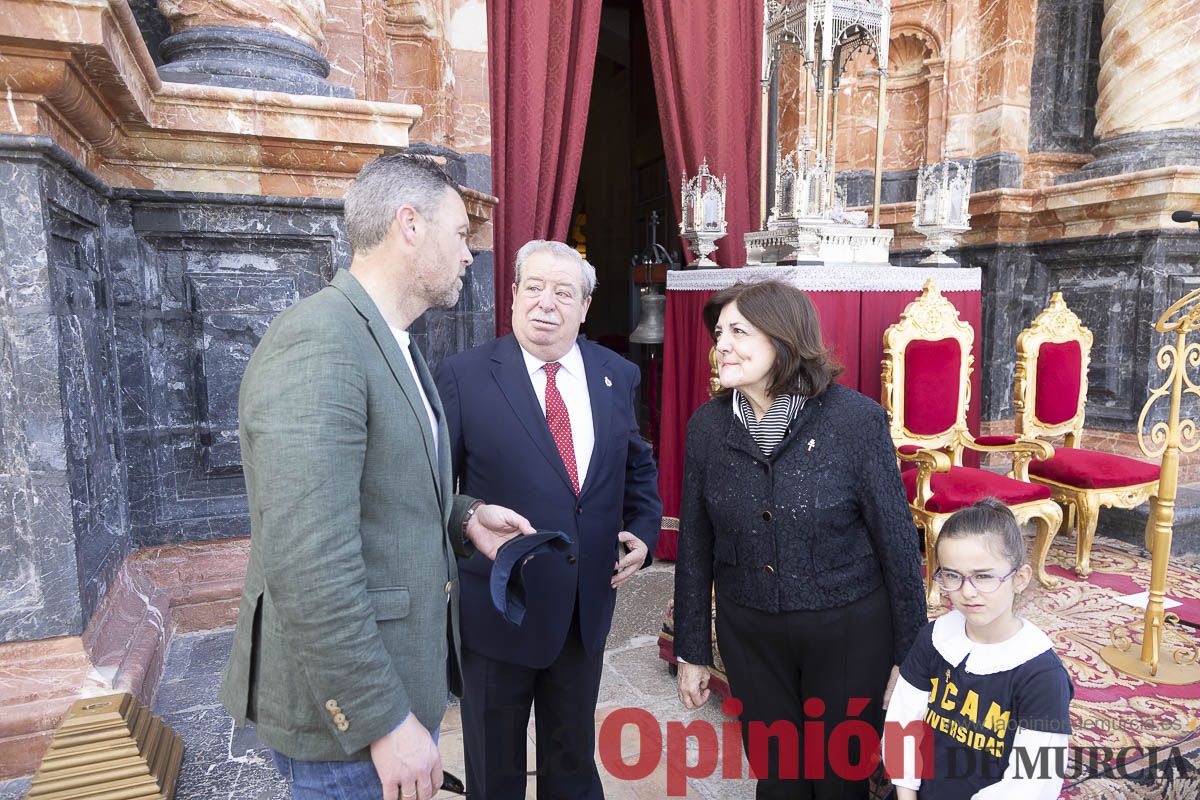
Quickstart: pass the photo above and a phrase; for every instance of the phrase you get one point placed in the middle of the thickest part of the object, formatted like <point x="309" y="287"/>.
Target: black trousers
<point x="777" y="661"/>
<point x="496" y="700"/>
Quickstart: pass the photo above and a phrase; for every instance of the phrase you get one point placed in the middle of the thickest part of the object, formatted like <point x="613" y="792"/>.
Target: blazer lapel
<point x="509" y="372"/>
<point x="348" y="285"/>
<point x="600" y="394"/>
<point x="443" y="433"/>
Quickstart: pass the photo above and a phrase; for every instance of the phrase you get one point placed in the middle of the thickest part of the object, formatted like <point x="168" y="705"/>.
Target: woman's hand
<point x="891" y="687"/>
<point x="692" y="681"/>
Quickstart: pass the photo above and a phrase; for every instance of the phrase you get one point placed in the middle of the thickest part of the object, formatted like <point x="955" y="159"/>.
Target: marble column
<point x="935" y="115"/>
<point x="1148" y="108"/>
<point x="271" y="45"/>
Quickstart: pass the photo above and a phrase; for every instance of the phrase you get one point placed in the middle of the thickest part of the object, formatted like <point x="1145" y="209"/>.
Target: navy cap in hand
<point x="507" y="585"/>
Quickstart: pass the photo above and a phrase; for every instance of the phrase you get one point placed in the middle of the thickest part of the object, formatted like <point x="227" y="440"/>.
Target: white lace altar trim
<point x="830" y="278"/>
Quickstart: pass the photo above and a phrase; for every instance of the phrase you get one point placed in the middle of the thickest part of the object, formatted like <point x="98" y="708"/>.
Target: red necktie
<point x="560" y="424"/>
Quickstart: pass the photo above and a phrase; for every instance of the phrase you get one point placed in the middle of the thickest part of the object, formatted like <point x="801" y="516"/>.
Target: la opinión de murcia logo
<point x="854" y="751"/>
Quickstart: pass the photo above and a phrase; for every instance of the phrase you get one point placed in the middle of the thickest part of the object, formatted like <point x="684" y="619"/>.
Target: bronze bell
<point x="653" y="319"/>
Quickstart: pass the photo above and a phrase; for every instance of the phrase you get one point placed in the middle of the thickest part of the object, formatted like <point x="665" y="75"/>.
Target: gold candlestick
<point x="1179" y="667"/>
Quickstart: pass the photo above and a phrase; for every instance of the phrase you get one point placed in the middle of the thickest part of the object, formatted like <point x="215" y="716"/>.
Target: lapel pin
<point x="811" y="444"/>
<point x="607" y="382"/>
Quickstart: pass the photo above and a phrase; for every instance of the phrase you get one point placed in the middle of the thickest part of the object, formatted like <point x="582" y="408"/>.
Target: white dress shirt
<point x="402" y="340"/>
<point x="572" y="385"/>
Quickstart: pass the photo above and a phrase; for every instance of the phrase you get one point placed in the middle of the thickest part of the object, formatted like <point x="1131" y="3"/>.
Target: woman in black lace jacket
<point x="794" y="508"/>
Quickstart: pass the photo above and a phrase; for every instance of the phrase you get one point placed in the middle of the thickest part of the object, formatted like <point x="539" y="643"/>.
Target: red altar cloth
<point x="856" y="305"/>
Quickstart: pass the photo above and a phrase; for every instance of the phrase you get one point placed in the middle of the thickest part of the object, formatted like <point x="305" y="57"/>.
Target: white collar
<point x="572" y="362"/>
<point x="951" y="641"/>
<point x="401" y="336"/>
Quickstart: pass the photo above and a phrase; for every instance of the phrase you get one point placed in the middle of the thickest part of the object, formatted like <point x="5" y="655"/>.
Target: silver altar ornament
<point x="702" y="203"/>
<point x="943" y="192"/>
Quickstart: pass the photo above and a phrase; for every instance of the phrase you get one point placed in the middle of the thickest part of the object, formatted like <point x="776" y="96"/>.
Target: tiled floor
<point x="220" y="762"/>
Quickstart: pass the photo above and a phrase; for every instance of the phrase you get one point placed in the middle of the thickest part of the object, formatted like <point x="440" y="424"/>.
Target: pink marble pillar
<point x="1149" y="67"/>
<point x="936" y="110"/>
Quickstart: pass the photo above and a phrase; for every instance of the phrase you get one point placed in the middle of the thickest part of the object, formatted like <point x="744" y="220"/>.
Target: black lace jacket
<point x="821" y="523"/>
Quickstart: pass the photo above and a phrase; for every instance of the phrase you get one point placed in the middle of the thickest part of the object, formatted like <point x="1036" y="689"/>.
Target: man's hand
<point x="692" y="682"/>
<point x="408" y="762"/>
<point x="492" y="526"/>
<point x="631" y="562"/>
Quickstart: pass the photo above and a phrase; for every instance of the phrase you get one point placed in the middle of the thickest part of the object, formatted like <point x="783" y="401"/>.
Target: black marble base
<point x="994" y="171"/>
<point x="1129" y="524"/>
<point x="1133" y="152"/>
<point x="897" y="186"/>
<point x="246" y="58"/>
<point x="128" y="320"/>
<point x="1063" y="85"/>
<point x="14" y="789"/>
<point x="219" y="760"/>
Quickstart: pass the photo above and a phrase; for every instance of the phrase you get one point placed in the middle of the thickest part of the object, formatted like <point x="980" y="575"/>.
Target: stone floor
<point x="221" y="762"/>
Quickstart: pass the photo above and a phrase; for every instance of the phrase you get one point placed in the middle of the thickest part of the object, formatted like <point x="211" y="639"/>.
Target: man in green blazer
<point x="347" y="639"/>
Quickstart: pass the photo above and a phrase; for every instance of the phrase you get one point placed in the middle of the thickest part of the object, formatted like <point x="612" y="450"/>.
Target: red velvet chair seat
<point x="964" y="486"/>
<point x="1090" y="469"/>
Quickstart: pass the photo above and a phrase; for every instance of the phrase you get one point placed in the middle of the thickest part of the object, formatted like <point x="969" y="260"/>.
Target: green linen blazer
<point x="342" y="628"/>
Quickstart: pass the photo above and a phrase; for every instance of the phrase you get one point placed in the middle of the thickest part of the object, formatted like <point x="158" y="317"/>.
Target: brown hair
<point x="789" y="320"/>
<point x="991" y="518"/>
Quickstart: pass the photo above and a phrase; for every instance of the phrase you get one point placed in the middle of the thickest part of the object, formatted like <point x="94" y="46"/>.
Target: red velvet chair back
<point x="926" y="374"/>
<point x="932" y="369"/>
<point x="1050" y="390"/>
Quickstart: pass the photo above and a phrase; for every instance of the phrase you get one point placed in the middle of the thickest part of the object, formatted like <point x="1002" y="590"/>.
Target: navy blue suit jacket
<point x="503" y="453"/>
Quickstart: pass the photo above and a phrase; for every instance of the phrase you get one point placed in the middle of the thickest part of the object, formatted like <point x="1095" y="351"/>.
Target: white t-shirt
<point x="402" y="339"/>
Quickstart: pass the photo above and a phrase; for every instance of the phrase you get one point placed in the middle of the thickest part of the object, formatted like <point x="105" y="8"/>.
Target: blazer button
<point x="449" y="586"/>
<point x="342" y="726"/>
<point x="579" y="510"/>
<point x="339" y="719"/>
<point x="332" y="706"/>
<point x="769" y="569"/>
<point x="767" y="516"/>
<point x="571" y="559"/>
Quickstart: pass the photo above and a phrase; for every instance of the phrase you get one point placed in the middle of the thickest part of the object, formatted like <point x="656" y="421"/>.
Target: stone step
<point x="1129" y="524"/>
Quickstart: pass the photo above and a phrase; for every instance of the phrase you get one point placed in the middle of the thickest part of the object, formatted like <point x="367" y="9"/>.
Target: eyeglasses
<point x="985" y="583"/>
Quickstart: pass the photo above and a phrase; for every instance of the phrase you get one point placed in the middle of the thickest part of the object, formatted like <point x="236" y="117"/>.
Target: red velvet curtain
<point x="706" y="56"/>
<point x="685" y="388"/>
<point x="541" y="55"/>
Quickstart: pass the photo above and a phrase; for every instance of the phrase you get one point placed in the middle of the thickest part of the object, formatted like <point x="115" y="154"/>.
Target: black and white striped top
<point x="769" y="431"/>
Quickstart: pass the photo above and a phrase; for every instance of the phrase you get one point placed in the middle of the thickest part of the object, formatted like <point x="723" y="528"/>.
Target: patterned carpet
<point x="1149" y="721"/>
<point x="1130" y="739"/>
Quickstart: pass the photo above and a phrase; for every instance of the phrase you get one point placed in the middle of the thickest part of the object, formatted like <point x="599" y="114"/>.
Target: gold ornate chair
<point x="927" y="391"/>
<point x="1049" y="395"/>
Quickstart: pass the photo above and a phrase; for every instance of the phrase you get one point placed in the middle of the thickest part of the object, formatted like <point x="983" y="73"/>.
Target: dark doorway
<point x="623" y="177"/>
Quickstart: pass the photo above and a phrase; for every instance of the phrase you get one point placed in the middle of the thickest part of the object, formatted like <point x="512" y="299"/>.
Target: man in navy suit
<point x="543" y="421"/>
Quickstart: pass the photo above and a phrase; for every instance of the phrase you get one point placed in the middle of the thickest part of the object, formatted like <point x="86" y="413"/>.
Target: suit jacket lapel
<point x="600" y="394"/>
<point x="443" y="433"/>
<point x="509" y="371"/>
<point x="348" y="285"/>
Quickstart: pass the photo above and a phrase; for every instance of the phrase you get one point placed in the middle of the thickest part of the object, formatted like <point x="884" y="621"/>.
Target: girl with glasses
<point x="987" y="684"/>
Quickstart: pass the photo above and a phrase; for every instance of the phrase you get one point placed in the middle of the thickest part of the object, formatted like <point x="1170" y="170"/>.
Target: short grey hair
<point x="562" y="251"/>
<point x="383" y="186"/>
